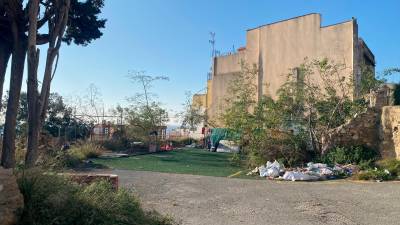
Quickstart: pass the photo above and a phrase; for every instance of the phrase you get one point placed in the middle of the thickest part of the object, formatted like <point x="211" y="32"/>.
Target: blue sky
<point x="170" y="37"/>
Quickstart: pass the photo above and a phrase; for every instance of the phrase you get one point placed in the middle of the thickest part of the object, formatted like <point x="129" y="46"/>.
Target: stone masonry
<point x="361" y="130"/>
<point x="377" y="128"/>
<point x="389" y="132"/>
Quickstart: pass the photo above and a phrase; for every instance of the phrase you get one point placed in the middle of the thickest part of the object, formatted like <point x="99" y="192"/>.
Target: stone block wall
<point x="390" y="132"/>
<point x="361" y="130"/>
<point x="377" y="128"/>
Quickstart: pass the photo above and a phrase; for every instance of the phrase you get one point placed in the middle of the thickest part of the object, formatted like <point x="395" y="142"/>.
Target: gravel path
<point x="198" y="200"/>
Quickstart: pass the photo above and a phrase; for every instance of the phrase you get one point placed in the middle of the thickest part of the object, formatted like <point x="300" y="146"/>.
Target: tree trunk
<point x="32" y="95"/>
<point x="17" y="72"/>
<point x="5" y="54"/>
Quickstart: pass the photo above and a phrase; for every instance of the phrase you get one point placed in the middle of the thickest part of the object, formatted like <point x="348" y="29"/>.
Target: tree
<point x="67" y="20"/>
<point x="192" y="114"/>
<point x="13" y="28"/>
<point x="316" y="107"/>
<point x="316" y="97"/>
<point x="145" y="114"/>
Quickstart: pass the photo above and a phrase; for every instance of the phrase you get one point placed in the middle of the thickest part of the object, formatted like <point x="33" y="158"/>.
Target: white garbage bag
<point x="270" y="170"/>
<point x="263" y="171"/>
<point x="294" y="176"/>
<point x="273" y="172"/>
<point x="228" y="146"/>
<point x="312" y="165"/>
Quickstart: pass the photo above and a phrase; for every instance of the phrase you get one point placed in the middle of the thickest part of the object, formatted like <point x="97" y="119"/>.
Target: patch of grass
<point x="185" y="161"/>
<point x="52" y="199"/>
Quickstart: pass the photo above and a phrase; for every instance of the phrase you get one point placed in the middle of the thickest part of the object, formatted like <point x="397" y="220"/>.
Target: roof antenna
<point x="212" y="42"/>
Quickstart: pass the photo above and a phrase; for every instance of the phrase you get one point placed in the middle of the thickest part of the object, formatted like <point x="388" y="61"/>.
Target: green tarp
<point x="218" y="134"/>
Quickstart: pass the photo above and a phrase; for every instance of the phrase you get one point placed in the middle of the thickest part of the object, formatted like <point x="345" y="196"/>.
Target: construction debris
<point x="312" y="172"/>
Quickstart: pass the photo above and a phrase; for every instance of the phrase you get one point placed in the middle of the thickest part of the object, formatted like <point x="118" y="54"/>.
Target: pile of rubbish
<point x="313" y="171"/>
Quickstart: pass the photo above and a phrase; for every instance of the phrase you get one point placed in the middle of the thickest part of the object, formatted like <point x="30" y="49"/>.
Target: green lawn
<point x="187" y="161"/>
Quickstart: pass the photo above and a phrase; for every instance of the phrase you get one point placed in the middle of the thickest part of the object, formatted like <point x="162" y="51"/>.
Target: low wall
<point x="376" y="128"/>
<point x="361" y="130"/>
<point x="390" y="132"/>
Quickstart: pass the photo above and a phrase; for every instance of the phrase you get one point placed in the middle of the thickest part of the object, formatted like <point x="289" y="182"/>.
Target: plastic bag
<point x="294" y="176"/>
<point x="270" y="170"/>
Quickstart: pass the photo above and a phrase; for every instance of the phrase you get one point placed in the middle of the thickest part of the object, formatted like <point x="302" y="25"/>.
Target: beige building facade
<point x="278" y="47"/>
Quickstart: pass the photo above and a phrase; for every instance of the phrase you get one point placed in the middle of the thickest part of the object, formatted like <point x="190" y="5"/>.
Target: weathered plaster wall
<point x="225" y="68"/>
<point x="284" y="45"/>
<point x="279" y="47"/>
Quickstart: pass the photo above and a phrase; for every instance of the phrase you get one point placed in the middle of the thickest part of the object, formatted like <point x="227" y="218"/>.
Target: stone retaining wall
<point x="390" y="132"/>
<point x="361" y="130"/>
<point x="377" y="128"/>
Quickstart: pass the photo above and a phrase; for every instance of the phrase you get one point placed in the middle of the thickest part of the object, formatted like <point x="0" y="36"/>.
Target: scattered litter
<point x="235" y="174"/>
<point x="193" y="145"/>
<point x="270" y="170"/>
<point x="312" y="172"/>
<point x="253" y="172"/>
<point x="227" y="146"/>
<point x="294" y="176"/>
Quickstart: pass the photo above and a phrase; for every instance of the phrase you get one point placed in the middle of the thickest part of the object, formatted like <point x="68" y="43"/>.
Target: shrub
<point x="235" y="160"/>
<point x="287" y="147"/>
<point x="392" y="165"/>
<point x="85" y="150"/>
<point x="51" y="199"/>
<point x="374" y="174"/>
<point x="355" y="155"/>
<point x="117" y="144"/>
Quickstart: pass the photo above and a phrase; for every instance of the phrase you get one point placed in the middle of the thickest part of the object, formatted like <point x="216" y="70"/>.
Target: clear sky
<point x="170" y="37"/>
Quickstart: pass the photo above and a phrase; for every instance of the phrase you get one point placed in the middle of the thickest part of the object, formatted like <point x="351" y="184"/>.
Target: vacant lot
<point x="187" y="161"/>
<point x="198" y="200"/>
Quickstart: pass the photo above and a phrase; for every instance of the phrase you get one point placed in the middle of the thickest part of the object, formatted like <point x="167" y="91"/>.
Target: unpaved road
<point x="198" y="200"/>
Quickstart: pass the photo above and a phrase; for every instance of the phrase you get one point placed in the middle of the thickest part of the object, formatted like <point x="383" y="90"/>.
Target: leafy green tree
<point x="317" y="97"/>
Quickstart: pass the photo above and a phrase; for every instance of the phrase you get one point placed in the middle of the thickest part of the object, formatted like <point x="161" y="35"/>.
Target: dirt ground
<point x="198" y="200"/>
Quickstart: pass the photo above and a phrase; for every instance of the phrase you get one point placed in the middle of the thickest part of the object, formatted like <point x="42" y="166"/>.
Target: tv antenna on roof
<point x="212" y="42"/>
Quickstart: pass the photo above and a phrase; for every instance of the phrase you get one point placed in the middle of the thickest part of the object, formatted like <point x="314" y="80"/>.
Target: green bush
<point x="392" y="165"/>
<point x="354" y="155"/>
<point x="236" y="159"/>
<point x="287" y="147"/>
<point x="85" y="150"/>
<point x="374" y="174"/>
<point x="56" y="159"/>
<point x="117" y="144"/>
<point x="52" y="199"/>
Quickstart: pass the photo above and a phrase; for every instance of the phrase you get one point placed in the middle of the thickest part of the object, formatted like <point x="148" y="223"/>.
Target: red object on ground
<point x="167" y="148"/>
